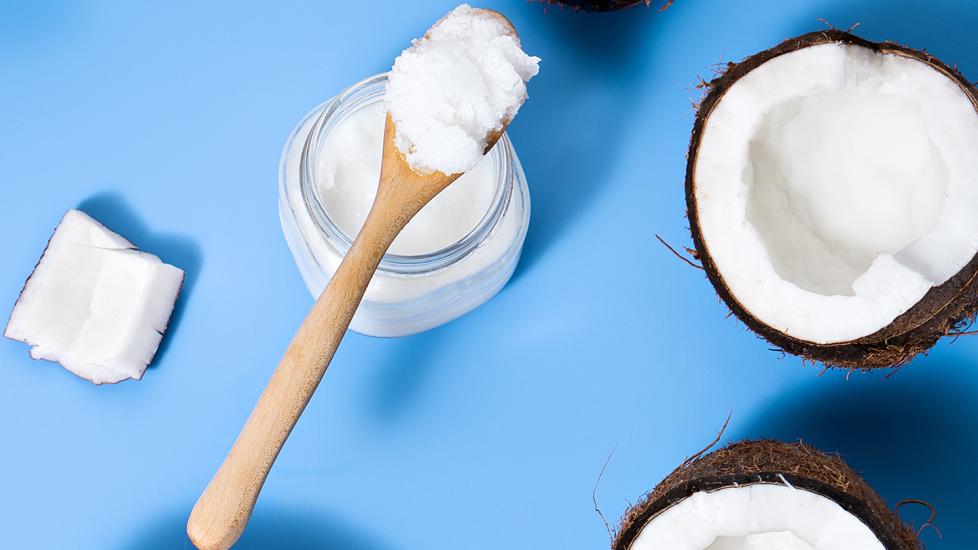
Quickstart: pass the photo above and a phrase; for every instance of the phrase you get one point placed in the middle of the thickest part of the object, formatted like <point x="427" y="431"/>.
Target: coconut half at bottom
<point x="763" y="495"/>
<point x="832" y="193"/>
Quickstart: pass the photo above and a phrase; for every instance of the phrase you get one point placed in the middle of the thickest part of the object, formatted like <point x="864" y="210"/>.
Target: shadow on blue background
<point x="912" y="435"/>
<point x="281" y="528"/>
<point x="31" y="21"/>
<point x="400" y="384"/>
<point x="591" y="84"/>
<point x="112" y="210"/>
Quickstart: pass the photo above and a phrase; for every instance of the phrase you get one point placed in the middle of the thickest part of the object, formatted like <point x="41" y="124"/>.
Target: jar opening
<point x="350" y="101"/>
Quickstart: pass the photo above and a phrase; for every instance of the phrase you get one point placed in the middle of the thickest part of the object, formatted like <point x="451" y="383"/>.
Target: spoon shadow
<point x="281" y="528"/>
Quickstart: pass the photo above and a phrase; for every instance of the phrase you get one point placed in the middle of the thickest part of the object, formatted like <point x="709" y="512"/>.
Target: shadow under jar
<point x="418" y="290"/>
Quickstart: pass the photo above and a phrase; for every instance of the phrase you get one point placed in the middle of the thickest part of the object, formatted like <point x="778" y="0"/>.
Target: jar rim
<point x="367" y="92"/>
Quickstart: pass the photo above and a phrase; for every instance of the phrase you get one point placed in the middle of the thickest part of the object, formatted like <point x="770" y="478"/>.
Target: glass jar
<point x="407" y="294"/>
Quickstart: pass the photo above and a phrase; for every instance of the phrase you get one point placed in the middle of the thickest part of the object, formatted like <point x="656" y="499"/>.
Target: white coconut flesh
<point x="835" y="186"/>
<point x="756" y="517"/>
<point x="94" y="303"/>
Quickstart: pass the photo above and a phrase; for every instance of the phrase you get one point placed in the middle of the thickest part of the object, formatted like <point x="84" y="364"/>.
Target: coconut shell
<point x="942" y="311"/>
<point x="601" y="5"/>
<point x="767" y="461"/>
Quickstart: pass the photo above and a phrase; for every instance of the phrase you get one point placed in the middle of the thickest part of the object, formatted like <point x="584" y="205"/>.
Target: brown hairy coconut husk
<point x="946" y="309"/>
<point x="771" y="462"/>
<point x="604" y="5"/>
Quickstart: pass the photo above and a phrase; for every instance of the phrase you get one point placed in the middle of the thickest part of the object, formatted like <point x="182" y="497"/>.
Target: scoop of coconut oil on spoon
<point x="223" y="510"/>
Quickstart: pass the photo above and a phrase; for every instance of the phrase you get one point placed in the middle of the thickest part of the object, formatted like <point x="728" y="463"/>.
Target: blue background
<point x="166" y="122"/>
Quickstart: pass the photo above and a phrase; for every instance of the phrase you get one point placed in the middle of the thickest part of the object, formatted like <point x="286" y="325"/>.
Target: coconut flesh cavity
<point x="834" y="184"/>
<point x="94" y="303"/>
<point x="460" y="83"/>
<point x="763" y="495"/>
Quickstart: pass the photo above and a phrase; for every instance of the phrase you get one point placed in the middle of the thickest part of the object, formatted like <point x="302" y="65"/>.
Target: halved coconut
<point x="94" y="303"/>
<point x="603" y="5"/>
<point x="832" y="193"/>
<point x="768" y="495"/>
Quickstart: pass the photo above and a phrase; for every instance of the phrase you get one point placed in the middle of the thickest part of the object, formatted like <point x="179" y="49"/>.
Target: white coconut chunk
<point x="835" y="186"/>
<point x="94" y="303"/>
<point x="465" y="79"/>
<point x="756" y="517"/>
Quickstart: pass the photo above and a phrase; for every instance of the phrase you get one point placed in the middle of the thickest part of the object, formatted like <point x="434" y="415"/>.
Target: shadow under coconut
<point x="112" y="210"/>
<point x="281" y="528"/>
<point x="944" y="28"/>
<point x="400" y="384"/>
<point x="912" y="436"/>
<point x="569" y="134"/>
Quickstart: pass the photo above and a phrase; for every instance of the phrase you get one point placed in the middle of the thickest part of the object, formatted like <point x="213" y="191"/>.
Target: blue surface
<point x="166" y="122"/>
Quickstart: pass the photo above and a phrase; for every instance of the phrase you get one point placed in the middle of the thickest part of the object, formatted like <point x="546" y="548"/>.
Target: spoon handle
<point x="222" y="511"/>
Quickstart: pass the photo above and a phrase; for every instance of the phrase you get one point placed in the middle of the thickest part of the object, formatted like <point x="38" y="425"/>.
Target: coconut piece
<point x="832" y="193"/>
<point x="763" y="494"/>
<point x="94" y="303"/>
<point x="456" y="86"/>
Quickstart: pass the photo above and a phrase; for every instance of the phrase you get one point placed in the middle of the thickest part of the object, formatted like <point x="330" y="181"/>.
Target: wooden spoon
<point x="223" y="510"/>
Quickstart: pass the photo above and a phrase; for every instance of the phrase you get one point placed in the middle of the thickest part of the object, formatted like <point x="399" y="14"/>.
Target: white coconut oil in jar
<point x="454" y="255"/>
